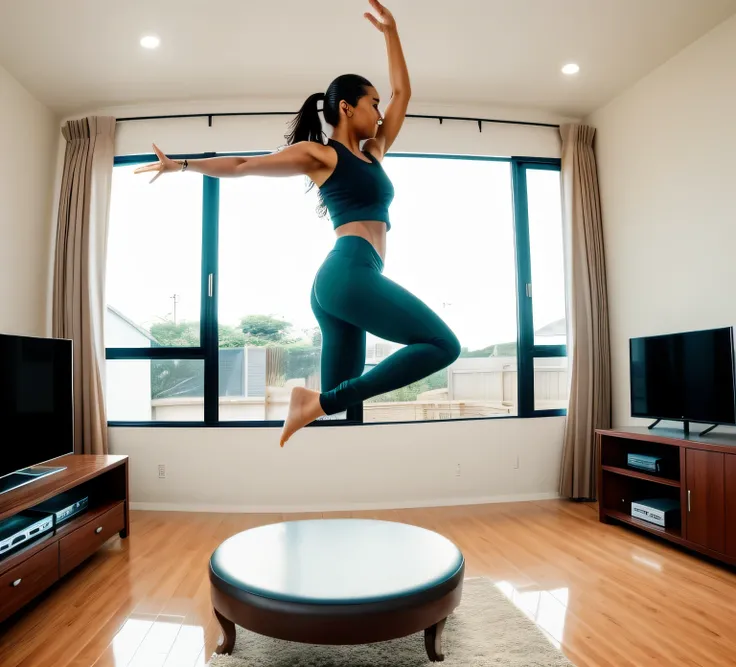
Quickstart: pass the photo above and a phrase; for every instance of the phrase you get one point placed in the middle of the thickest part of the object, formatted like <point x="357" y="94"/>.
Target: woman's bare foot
<point x="304" y="408"/>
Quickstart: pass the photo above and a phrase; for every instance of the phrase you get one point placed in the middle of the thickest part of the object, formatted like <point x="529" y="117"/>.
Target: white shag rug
<point x="486" y="630"/>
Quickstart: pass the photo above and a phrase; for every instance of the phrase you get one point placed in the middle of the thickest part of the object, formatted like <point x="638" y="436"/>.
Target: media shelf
<point x="91" y="514"/>
<point x="698" y="472"/>
<point x="34" y="566"/>
<point x="674" y="534"/>
<point x="638" y="474"/>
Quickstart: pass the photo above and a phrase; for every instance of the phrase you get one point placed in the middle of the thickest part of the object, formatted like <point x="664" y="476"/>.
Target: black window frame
<point x="208" y="349"/>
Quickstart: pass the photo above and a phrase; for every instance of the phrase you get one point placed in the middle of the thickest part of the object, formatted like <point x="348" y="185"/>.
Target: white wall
<point x="342" y="468"/>
<point x="666" y="154"/>
<point x="28" y="139"/>
<point x="339" y="467"/>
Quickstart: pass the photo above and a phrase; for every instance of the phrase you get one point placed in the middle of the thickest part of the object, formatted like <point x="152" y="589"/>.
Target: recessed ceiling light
<point x="150" y="42"/>
<point x="572" y="68"/>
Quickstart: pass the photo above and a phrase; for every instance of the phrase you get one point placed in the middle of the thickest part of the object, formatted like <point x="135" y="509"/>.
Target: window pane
<point x="154" y="260"/>
<point x="155" y="390"/>
<point x="548" y="268"/>
<point x="452" y="245"/>
<point x="551" y="391"/>
<point x="271" y="245"/>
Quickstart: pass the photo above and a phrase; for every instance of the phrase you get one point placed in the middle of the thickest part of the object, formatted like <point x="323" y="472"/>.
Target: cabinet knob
<point x="17" y="582"/>
<point x="98" y="530"/>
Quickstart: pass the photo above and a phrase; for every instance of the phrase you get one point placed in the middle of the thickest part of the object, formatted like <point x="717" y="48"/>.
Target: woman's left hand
<point x="386" y="21"/>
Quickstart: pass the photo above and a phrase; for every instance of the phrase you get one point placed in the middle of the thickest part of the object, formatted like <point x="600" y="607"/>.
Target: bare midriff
<point x="372" y="231"/>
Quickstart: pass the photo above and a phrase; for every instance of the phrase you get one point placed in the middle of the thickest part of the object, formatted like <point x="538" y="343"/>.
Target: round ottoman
<point x="336" y="581"/>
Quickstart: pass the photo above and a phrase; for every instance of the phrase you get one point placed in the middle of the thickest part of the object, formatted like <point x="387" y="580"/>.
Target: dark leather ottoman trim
<point x="314" y="609"/>
<point x="340" y="624"/>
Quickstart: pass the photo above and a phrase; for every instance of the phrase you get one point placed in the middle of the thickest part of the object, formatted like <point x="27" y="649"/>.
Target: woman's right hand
<point x="165" y="165"/>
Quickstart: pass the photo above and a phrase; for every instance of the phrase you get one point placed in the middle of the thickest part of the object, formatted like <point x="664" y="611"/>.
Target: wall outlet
<point x="457" y="470"/>
<point x="161" y="471"/>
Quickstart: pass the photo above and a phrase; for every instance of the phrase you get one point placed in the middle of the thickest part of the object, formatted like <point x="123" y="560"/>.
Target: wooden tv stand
<point x="698" y="471"/>
<point x="33" y="567"/>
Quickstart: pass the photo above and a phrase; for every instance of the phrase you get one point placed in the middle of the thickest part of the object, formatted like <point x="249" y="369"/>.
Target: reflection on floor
<point x="546" y="608"/>
<point x="147" y="641"/>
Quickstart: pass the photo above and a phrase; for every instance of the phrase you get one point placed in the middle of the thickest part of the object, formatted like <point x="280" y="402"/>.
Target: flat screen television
<point x="686" y="376"/>
<point x="36" y="406"/>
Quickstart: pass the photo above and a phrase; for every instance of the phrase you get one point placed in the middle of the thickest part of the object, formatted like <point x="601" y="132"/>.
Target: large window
<point x="208" y="281"/>
<point x="452" y="245"/>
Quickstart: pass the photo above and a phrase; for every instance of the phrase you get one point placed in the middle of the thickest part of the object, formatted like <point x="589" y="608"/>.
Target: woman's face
<point x="366" y="115"/>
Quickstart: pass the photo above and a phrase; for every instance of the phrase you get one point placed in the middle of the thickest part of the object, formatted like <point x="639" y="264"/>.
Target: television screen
<point x="684" y="376"/>
<point x="36" y="405"/>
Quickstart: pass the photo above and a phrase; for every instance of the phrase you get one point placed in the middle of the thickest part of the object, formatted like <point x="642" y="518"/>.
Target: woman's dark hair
<point x="307" y="126"/>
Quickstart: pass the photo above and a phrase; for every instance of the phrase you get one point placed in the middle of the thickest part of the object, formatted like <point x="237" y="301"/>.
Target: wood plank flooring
<point x="608" y="596"/>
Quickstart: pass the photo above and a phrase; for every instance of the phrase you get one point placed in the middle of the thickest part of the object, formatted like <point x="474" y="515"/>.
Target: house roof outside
<point x="130" y="322"/>
<point x="556" y="328"/>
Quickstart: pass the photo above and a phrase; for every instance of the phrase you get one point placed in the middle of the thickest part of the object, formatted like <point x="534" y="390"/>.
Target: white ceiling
<point x="83" y="54"/>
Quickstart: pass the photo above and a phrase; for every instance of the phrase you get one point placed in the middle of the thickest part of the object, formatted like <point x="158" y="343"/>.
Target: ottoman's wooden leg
<point x="433" y="641"/>
<point x="227" y="641"/>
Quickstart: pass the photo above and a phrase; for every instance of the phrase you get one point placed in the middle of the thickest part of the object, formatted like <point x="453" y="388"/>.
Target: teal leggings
<point x="350" y="296"/>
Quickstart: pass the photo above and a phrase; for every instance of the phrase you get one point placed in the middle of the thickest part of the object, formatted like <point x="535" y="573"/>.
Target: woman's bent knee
<point x="450" y="346"/>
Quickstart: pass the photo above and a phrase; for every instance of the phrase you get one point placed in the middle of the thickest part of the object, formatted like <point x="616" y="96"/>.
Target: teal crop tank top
<point x="356" y="189"/>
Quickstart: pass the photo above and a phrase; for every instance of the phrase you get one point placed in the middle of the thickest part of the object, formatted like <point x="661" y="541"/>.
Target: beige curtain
<point x="79" y="270"/>
<point x="590" y="360"/>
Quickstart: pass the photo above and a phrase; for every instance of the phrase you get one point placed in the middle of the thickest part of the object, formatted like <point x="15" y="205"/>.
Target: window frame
<point x="526" y="350"/>
<point x="208" y="349"/>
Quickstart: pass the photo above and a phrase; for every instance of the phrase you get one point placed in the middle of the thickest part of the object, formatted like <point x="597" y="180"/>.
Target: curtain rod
<point x="210" y="116"/>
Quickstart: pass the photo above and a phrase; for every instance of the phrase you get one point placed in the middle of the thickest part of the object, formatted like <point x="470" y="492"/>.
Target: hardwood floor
<point x="606" y="595"/>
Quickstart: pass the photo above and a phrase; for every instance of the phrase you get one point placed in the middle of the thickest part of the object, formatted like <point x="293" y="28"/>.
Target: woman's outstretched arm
<point x="302" y="158"/>
<point x="399" y="77"/>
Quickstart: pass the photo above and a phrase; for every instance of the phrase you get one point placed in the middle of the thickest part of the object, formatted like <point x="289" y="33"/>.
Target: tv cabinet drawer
<point x="21" y="584"/>
<point x="85" y="540"/>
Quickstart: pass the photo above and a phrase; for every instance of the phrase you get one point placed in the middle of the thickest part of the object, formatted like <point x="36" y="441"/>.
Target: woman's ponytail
<point x="307" y="125"/>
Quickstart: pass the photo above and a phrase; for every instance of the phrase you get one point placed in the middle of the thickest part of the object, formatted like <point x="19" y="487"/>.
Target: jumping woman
<point x="350" y="294"/>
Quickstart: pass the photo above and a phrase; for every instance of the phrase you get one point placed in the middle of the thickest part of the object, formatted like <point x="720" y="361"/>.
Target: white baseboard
<point x="350" y="507"/>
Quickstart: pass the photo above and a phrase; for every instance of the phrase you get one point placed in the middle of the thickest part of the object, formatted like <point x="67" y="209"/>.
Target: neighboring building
<point x="128" y="382"/>
<point x="121" y="331"/>
<point x="554" y="333"/>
